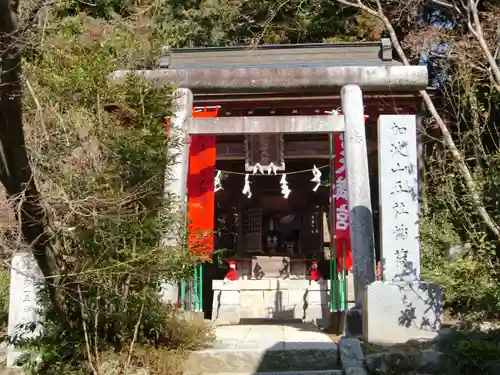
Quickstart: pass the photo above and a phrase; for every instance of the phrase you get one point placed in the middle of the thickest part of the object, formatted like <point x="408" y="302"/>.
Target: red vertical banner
<point x="342" y="231"/>
<point x="201" y="196"/>
<point x="342" y="221"/>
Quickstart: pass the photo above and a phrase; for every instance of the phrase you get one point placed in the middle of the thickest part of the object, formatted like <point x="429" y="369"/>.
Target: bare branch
<point x="447" y="5"/>
<point x="476" y="29"/>
<point x="447" y="138"/>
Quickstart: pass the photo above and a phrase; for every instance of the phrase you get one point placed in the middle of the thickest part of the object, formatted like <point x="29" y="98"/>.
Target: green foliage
<point x="221" y="23"/>
<point x="451" y="219"/>
<point x="99" y="154"/>
<point x="473" y="352"/>
<point x="4" y="296"/>
<point x="470" y="282"/>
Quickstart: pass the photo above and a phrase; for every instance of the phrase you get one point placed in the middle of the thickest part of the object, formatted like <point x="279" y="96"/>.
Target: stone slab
<point x="229" y="297"/>
<point x="320" y="372"/>
<point x="410" y="311"/>
<point x="359" y="370"/>
<point x="317" y="297"/>
<point x="398" y="197"/>
<point x="289" y="284"/>
<point x="350" y="352"/>
<point x="251" y="305"/>
<point x="265" y="348"/>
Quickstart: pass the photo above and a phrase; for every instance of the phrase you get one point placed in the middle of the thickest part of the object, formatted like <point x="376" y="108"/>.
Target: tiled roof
<point x="290" y="55"/>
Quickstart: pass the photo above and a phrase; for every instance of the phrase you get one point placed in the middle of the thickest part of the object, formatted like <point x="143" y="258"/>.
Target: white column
<point x="176" y="178"/>
<point x="25" y="314"/>
<point x="398" y="197"/>
<point x="358" y="188"/>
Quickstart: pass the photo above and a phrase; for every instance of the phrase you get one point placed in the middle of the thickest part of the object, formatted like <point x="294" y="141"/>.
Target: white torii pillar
<point x="358" y="189"/>
<point x="176" y="179"/>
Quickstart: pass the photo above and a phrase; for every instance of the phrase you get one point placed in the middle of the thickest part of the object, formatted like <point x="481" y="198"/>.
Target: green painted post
<point x="345" y="275"/>
<point x="183" y="293"/>
<point x="195" y="288"/>
<point x="183" y="282"/>
<point x="200" y="274"/>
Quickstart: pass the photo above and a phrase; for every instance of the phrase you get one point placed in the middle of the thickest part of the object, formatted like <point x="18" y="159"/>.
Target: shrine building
<point x="266" y="177"/>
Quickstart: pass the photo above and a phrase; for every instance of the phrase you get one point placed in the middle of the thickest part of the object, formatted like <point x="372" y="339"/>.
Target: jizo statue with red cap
<point x="232" y="274"/>
<point x="315" y="274"/>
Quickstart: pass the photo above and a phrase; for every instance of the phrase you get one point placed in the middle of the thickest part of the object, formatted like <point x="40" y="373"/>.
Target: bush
<point x="99" y="155"/>
<point x="4" y="296"/>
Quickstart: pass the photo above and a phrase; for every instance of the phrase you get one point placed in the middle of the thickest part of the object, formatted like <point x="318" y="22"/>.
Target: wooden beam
<point x="293" y="150"/>
<point x="266" y="125"/>
<point x="310" y="149"/>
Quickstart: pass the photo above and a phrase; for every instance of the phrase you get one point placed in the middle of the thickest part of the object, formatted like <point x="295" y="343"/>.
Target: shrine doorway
<point x="234" y="211"/>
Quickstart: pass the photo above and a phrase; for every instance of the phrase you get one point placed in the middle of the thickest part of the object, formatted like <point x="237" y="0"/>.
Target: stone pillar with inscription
<point x="25" y="314"/>
<point x="412" y="309"/>
<point x="176" y="178"/>
<point x="398" y="198"/>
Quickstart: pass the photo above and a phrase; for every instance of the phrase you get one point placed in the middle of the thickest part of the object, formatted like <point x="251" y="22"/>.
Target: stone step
<point x="320" y="372"/>
<point x="293" y="359"/>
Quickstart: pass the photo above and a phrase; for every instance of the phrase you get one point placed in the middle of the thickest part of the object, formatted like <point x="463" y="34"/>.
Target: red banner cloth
<point x="342" y="232"/>
<point x="342" y="222"/>
<point x="201" y="196"/>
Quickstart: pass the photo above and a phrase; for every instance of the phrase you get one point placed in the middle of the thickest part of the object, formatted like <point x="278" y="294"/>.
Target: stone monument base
<point x="395" y="312"/>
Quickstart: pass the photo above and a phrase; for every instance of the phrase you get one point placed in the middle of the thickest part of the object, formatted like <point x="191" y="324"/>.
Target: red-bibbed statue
<point x="232" y="274"/>
<point x="315" y="274"/>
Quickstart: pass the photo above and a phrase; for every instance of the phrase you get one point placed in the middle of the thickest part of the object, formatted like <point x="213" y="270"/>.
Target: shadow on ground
<point x="260" y="347"/>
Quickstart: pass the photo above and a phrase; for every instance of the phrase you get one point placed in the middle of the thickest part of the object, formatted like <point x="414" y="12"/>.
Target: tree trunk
<point x="15" y="171"/>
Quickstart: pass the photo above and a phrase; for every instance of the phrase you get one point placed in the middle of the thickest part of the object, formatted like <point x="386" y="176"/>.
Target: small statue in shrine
<point x="315" y="274"/>
<point x="232" y="274"/>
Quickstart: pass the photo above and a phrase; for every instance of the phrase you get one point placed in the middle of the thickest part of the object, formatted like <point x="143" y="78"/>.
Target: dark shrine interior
<point x="230" y="203"/>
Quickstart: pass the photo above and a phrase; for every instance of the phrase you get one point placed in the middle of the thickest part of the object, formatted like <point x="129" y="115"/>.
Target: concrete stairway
<point x="287" y="349"/>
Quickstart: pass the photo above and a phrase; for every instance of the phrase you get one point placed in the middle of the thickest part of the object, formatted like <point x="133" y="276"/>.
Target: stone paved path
<point x="272" y="337"/>
<point x="251" y="349"/>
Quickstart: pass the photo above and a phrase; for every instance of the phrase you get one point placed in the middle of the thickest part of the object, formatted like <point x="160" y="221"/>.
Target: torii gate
<point x="351" y="80"/>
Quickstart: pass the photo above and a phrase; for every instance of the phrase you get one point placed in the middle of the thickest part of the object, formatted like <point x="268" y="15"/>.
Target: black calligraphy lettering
<point x="402" y="256"/>
<point x="408" y="189"/>
<point x="400" y="147"/>
<point x="400" y="208"/>
<point x="400" y="232"/>
<point x="399" y="168"/>
<point x="398" y="129"/>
